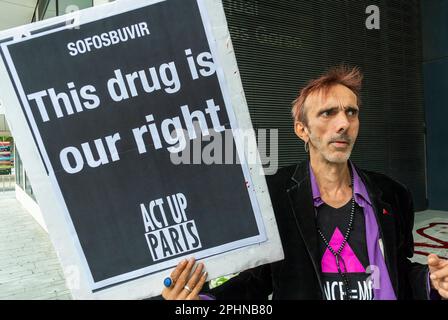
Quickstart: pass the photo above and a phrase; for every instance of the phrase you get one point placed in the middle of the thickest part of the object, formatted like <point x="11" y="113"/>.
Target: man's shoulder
<point x="282" y="178"/>
<point x="384" y="182"/>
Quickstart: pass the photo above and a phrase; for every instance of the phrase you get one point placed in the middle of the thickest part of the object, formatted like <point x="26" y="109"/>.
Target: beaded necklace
<point x="337" y="254"/>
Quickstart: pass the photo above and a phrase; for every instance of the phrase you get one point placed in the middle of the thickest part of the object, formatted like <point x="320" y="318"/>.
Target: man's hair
<point x="351" y="77"/>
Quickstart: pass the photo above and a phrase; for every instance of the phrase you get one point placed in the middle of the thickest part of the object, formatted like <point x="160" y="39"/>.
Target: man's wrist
<point x="433" y="294"/>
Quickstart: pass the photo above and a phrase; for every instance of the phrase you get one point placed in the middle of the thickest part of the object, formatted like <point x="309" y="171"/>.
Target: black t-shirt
<point x="333" y="223"/>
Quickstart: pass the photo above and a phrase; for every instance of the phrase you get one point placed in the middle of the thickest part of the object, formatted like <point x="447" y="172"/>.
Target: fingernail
<point x="205" y="275"/>
<point x="433" y="277"/>
<point x="191" y="259"/>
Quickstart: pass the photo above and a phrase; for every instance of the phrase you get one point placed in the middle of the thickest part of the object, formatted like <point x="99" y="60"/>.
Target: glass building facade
<point x="51" y="8"/>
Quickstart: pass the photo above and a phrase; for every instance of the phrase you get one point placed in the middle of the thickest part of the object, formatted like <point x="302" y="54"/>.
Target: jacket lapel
<point x="386" y="225"/>
<point x="301" y="202"/>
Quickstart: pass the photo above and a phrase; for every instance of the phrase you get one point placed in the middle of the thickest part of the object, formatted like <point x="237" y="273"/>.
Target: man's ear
<point x="301" y="131"/>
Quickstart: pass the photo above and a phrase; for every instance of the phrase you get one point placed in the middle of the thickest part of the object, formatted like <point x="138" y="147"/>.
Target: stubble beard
<point x="323" y="149"/>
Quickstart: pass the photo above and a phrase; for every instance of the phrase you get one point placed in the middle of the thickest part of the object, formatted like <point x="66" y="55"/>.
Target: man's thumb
<point x="433" y="260"/>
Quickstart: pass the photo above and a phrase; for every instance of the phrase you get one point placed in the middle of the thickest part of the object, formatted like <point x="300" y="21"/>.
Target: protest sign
<point x="103" y="103"/>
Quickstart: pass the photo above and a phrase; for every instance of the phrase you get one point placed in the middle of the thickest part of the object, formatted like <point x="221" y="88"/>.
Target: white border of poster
<point x="226" y="259"/>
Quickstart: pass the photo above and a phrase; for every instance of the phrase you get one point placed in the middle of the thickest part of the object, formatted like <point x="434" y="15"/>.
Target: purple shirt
<point x="382" y="286"/>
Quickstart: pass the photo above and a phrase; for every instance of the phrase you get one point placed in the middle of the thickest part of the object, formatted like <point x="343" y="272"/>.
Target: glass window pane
<point x="66" y="6"/>
<point x="28" y="188"/>
<point x="19" y="170"/>
<point x="50" y="11"/>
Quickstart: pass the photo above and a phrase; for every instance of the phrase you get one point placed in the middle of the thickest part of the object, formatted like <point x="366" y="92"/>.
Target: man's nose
<point x="342" y="122"/>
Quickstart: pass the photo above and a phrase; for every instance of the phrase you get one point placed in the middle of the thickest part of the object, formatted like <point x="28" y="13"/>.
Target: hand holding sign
<point x="183" y="286"/>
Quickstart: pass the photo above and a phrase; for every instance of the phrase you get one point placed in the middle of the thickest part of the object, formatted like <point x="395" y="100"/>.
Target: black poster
<point x="110" y="103"/>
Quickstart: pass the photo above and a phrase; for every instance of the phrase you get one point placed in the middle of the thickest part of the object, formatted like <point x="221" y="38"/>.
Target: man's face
<point x="333" y="123"/>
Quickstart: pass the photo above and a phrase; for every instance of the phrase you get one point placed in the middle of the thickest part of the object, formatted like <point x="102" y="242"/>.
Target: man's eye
<point x="352" y="112"/>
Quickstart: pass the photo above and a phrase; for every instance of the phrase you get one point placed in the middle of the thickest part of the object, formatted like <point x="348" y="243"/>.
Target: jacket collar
<point x="360" y="192"/>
